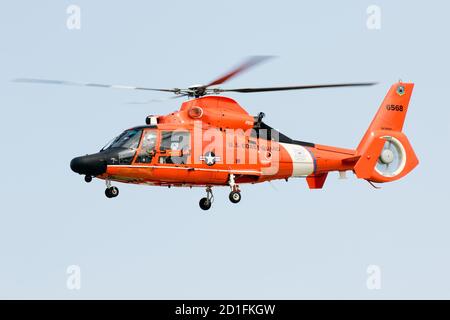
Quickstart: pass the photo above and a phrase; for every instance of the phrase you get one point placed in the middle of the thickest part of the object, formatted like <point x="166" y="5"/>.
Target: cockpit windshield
<point x="128" y="139"/>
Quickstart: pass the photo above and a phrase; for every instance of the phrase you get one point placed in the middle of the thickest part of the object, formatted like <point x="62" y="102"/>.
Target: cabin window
<point x="175" y="147"/>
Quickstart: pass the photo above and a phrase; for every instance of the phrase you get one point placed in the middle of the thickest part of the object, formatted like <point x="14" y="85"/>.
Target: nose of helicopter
<point x="92" y="165"/>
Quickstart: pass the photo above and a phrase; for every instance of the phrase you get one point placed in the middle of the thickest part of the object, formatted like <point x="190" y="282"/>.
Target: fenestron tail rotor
<point x="391" y="158"/>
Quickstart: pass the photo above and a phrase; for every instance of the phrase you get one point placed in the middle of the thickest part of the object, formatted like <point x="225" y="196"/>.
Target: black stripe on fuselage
<point x="281" y="137"/>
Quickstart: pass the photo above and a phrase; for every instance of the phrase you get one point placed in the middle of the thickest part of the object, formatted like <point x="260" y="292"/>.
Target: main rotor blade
<point x="247" y="64"/>
<point x="158" y="100"/>
<point x="87" y="84"/>
<point x="264" y="89"/>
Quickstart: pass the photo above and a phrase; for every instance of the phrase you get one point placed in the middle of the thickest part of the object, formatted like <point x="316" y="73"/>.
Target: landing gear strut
<point x="205" y="203"/>
<point x="111" y="191"/>
<point x="235" y="194"/>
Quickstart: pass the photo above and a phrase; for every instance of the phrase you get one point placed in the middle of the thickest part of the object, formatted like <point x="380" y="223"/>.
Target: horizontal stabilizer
<point x="351" y="160"/>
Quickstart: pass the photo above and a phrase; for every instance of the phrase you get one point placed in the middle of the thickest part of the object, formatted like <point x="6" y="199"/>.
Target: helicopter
<point x="213" y="141"/>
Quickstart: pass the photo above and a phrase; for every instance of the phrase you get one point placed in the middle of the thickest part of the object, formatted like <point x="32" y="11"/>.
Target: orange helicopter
<point x="212" y="141"/>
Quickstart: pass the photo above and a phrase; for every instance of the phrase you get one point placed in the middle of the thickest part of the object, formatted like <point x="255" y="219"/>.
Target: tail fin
<point x="386" y="154"/>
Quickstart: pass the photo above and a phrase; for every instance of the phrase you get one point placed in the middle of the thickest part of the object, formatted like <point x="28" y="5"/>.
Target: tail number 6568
<point x="394" y="107"/>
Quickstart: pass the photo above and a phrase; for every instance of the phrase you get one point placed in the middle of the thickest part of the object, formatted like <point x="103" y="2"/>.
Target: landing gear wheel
<point x="204" y="203"/>
<point x="112" y="192"/>
<point x="87" y="178"/>
<point x="235" y="196"/>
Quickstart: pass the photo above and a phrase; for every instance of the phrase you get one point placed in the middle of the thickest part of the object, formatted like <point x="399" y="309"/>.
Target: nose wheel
<point x="205" y="203"/>
<point x="111" y="191"/>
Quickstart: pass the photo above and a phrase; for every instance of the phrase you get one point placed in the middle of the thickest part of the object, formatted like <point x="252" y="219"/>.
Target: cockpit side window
<point x="148" y="147"/>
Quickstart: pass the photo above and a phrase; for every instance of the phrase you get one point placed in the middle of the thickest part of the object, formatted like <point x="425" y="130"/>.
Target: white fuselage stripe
<point x="302" y="161"/>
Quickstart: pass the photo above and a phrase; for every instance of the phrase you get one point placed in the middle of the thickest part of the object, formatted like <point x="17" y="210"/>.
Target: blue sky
<point x="282" y="240"/>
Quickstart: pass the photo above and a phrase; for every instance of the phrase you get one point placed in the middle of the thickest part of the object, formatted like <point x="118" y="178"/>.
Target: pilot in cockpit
<point x="148" y="148"/>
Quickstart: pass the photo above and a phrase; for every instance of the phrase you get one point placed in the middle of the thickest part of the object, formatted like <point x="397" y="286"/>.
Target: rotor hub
<point x="387" y="156"/>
